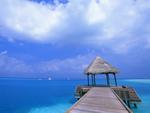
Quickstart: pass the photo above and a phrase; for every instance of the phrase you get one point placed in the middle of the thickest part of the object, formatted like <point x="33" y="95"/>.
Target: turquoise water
<point x="43" y="96"/>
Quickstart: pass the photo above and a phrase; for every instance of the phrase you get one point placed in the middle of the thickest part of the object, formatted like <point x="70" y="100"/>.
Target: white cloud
<point x="13" y="66"/>
<point x="3" y="52"/>
<point x="10" y="65"/>
<point x="74" y="64"/>
<point x="31" y="19"/>
<point x="102" y="23"/>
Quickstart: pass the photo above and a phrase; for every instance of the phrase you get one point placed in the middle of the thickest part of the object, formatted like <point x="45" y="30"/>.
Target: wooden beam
<point x="107" y="77"/>
<point x="94" y="80"/>
<point x="115" y="79"/>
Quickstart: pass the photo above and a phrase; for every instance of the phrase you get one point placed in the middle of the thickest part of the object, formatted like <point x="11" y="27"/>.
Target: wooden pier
<point x="108" y="98"/>
<point x="100" y="100"/>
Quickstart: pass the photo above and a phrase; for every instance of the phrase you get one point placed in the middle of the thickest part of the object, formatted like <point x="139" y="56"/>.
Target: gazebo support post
<point x="115" y="79"/>
<point x="107" y="77"/>
<point x="88" y="79"/>
<point x="94" y="80"/>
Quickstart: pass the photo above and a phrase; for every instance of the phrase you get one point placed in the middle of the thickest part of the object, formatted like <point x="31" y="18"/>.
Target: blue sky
<point x="60" y="38"/>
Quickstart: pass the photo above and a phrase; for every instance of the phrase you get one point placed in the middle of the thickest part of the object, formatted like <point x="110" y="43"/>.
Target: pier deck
<point x="99" y="100"/>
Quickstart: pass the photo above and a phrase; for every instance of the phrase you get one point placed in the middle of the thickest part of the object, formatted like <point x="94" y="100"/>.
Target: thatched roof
<point x="99" y="66"/>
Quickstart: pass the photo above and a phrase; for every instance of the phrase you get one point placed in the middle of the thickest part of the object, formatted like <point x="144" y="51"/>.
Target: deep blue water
<point x="43" y="96"/>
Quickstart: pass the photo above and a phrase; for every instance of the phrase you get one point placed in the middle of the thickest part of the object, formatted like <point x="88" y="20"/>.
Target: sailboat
<point x="49" y="78"/>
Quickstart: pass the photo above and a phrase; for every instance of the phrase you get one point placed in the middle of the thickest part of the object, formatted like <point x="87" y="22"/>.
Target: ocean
<point x="56" y="96"/>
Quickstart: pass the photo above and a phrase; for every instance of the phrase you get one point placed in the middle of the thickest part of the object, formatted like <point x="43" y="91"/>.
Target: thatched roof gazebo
<point x="100" y="66"/>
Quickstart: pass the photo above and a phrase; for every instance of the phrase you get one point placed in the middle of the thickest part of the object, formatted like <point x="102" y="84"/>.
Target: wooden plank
<point x="133" y="97"/>
<point x="99" y="100"/>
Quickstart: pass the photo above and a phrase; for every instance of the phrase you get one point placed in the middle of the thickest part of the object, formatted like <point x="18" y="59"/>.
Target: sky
<point x="59" y="38"/>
